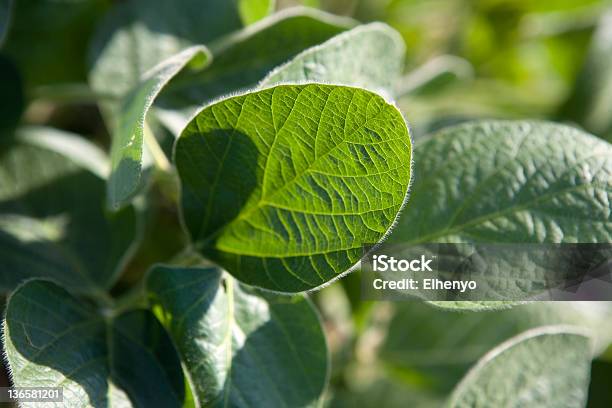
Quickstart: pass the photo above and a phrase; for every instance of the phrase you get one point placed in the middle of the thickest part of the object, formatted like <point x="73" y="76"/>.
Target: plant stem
<point x="159" y="157"/>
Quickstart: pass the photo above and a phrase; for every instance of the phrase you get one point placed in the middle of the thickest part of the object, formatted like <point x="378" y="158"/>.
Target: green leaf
<point x="243" y="58"/>
<point x="460" y="339"/>
<point x="589" y="104"/>
<point x="52" y="218"/>
<point x="127" y="149"/>
<point x="254" y="10"/>
<point x="283" y="186"/>
<point x="137" y="35"/>
<point x="241" y="347"/>
<point x="53" y="339"/>
<point x="505" y="181"/>
<point x="545" y="367"/>
<point x="369" y="56"/>
<point x="516" y="182"/>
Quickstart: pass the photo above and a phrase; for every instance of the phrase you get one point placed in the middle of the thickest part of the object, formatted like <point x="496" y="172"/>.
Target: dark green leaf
<point x="127" y="150"/>
<point x="53" y="339"/>
<point x="441" y="345"/>
<point x="241" y="347"/>
<point x="137" y="35"/>
<point x="546" y="367"/>
<point x="245" y="57"/>
<point x="509" y="182"/>
<point x="282" y="187"/>
<point x="369" y="56"/>
<point x="52" y="217"/>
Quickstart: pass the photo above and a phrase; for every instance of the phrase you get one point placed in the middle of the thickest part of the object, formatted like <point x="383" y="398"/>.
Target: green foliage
<point x="281" y="220"/>
<point x="545" y="367"/>
<point x="241" y="347"/>
<point x="264" y="145"/>
<point x="127" y="151"/>
<point x="99" y="360"/>
<point x="52" y="218"/>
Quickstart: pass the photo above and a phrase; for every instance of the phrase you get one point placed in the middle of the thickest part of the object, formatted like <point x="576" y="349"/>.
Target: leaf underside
<point x="258" y="195"/>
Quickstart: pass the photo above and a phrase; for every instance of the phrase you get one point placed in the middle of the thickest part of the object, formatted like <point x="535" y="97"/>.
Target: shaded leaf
<point x="52" y="217"/>
<point x="127" y="149"/>
<point x="283" y="186"/>
<point x="369" y="56"/>
<point x="52" y="339"/>
<point x="241" y="347"/>
<point x="441" y="345"/>
<point x="243" y="58"/>
<point x="137" y="35"/>
<point x="544" y="367"/>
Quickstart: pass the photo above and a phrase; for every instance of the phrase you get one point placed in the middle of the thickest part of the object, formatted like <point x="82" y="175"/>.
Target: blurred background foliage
<point x="489" y="58"/>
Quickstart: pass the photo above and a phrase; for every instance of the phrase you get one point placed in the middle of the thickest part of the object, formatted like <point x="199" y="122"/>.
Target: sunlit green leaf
<point x="545" y="367"/>
<point x="54" y="340"/>
<point x="52" y="218"/>
<point x="241" y="347"/>
<point x="283" y="186"/>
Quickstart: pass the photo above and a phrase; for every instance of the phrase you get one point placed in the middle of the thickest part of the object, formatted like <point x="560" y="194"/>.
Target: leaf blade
<point x="546" y="367"/>
<point x="53" y="339"/>
<point x="269" y="217"/>
<point x="241" y="347"/>
<point x="127" y="146"/>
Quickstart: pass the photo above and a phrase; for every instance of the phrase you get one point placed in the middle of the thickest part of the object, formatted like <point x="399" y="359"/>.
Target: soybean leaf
<point x="243" y="58"/>
<point x="54" y="340"/>
<point x="254" y="10"/>
<point x="460" y="339"/>
<point x="241" y="347"/>
<point x="348" y="59"/>
<point x="544" y="367"/>
<point x="589" y="103"/>
<point x="52" y="218"/>
<point x="63" y="27"/>
<point x="283" y="186"/>
<point x="509" y="182"/>
<point x="137" y="35"/>
<point x="127" y="149"/>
